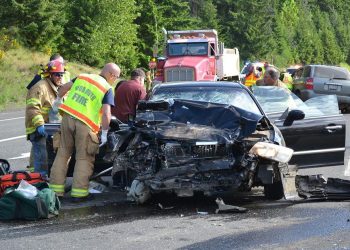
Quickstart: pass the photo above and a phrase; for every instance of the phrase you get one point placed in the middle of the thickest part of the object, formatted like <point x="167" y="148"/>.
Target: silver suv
<point x="314" y="80"/>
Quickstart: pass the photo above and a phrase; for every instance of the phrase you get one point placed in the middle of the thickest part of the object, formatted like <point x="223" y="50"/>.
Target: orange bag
<point x="13" y="179"/>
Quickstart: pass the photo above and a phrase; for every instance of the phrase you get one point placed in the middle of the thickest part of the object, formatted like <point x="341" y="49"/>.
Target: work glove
<point x="103" y="137"/>
<point x="56" y="104"/>
<point x="41" y="130"/>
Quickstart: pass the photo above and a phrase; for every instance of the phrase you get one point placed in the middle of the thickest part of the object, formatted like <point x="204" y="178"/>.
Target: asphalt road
<point x="119" y="224"/>
<point x="13" y="144"/>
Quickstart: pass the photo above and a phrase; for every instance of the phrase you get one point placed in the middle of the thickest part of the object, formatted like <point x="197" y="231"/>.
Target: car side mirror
<point x="292" y="116"/>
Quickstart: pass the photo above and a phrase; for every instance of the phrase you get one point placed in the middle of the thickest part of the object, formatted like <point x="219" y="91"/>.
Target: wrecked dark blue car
<point x="200" y="137"/>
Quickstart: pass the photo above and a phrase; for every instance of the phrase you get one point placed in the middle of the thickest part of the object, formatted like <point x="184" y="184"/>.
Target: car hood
<point x="196" y="120"/>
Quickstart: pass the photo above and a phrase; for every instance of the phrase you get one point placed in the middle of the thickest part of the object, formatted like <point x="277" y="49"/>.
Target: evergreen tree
<point x="37" y="24"/>
<point x="248" y="26"/>
<point x="148" y="30"/>
<point x="332" y="51"/>
<point x="175" y="15"/>
<point x="341" y="24"/>
<point x="206" y="13"/>
<point x="286" y="21"/>
<point x="100" y="31"/>
<point x="308" y="44"/>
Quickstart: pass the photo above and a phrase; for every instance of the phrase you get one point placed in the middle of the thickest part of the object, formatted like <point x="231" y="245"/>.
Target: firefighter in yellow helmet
<point x="39" y="100"/>
<point x="87" y="106"/>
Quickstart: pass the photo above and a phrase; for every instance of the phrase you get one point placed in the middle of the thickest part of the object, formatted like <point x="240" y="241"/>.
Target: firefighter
<point x="89" y="97"/>
<point x="43" y="73"/>
<point x="40" y="98"/>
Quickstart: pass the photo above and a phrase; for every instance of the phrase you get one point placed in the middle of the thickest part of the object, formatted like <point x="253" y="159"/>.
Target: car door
<point x="315" y="141"/>
<point x="318" y="139"/>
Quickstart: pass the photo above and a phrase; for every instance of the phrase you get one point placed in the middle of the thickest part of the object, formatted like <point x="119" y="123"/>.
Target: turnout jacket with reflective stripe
<point x="84" y="100"/>
<point x="38" y="104"/>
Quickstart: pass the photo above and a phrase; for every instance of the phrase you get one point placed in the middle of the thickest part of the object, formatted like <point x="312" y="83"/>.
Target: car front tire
<point x="274" y="191"/>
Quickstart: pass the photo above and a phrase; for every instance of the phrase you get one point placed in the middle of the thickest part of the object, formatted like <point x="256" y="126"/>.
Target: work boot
<point x="89" y="197"/>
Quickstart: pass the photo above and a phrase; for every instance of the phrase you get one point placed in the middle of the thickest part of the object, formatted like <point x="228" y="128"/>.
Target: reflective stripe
<point x="33" y="101"/>
<point x="45" y="110"/>
<point x="95" y="83"/>
<point x="250" y="80"/>
<point x="77" y="192"/>
<point x="38" y="119"/>
<point x="30" y="130"/>
<point x="95" y="127"/>
<point x="57" y="188"/>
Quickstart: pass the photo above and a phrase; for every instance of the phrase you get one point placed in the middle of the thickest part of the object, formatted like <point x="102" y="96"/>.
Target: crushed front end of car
<point x="185" y="147"/>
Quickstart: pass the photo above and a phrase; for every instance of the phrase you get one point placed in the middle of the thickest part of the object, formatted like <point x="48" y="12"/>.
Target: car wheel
<point x="274" y="191"/>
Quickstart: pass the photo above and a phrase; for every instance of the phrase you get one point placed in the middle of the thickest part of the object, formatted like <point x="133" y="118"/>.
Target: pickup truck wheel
<point x="274" y="191"/>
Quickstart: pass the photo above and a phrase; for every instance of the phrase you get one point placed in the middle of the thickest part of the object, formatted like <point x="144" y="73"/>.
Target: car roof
<point x="200" y="84"/>
<point x="322" y="65"/>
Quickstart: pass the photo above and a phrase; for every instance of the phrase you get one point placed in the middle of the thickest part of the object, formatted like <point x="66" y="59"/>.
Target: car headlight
<point x="272" y="151"/>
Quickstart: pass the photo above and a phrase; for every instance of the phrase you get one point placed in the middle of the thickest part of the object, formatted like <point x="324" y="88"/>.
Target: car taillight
<point x="309" y="83"/>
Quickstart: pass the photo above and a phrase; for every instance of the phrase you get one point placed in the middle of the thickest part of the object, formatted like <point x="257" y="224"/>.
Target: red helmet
<point x="55" y="66"/>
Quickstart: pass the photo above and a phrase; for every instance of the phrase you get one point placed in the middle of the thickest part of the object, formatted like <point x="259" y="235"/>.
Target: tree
<point x="100" y="31"/>
<point x="332" y="51"/>
<point x="206" y="13"/>
<point x="147" y="32"/>
<point x="286" y="21"/>
<point x="175" y="15"/>
<point x="248" y="26"/>
<point x="38" y="24"/>
<point x="308" y="44"/>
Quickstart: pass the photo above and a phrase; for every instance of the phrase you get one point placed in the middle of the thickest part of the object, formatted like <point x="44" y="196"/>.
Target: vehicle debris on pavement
<point x="96" y="187"/>
<point x="225" y="208"/>
<point x="164" y="208"/>
<point x="317" y="186"/>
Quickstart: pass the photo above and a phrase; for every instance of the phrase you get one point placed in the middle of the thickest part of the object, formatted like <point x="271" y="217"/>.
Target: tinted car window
<point x="224" y="95"/>
<point x="331" y="72"/>
<point x="306" y="72"/>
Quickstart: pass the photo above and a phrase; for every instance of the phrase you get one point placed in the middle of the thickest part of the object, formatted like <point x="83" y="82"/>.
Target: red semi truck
<point x="196" y="55"/>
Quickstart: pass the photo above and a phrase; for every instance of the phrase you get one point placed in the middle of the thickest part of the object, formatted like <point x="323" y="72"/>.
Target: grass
<point x="17" y="69"/>
<point x="345" y="65"/>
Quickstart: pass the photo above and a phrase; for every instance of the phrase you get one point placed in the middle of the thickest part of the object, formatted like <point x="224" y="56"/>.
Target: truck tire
<point x="274" y="191"/>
